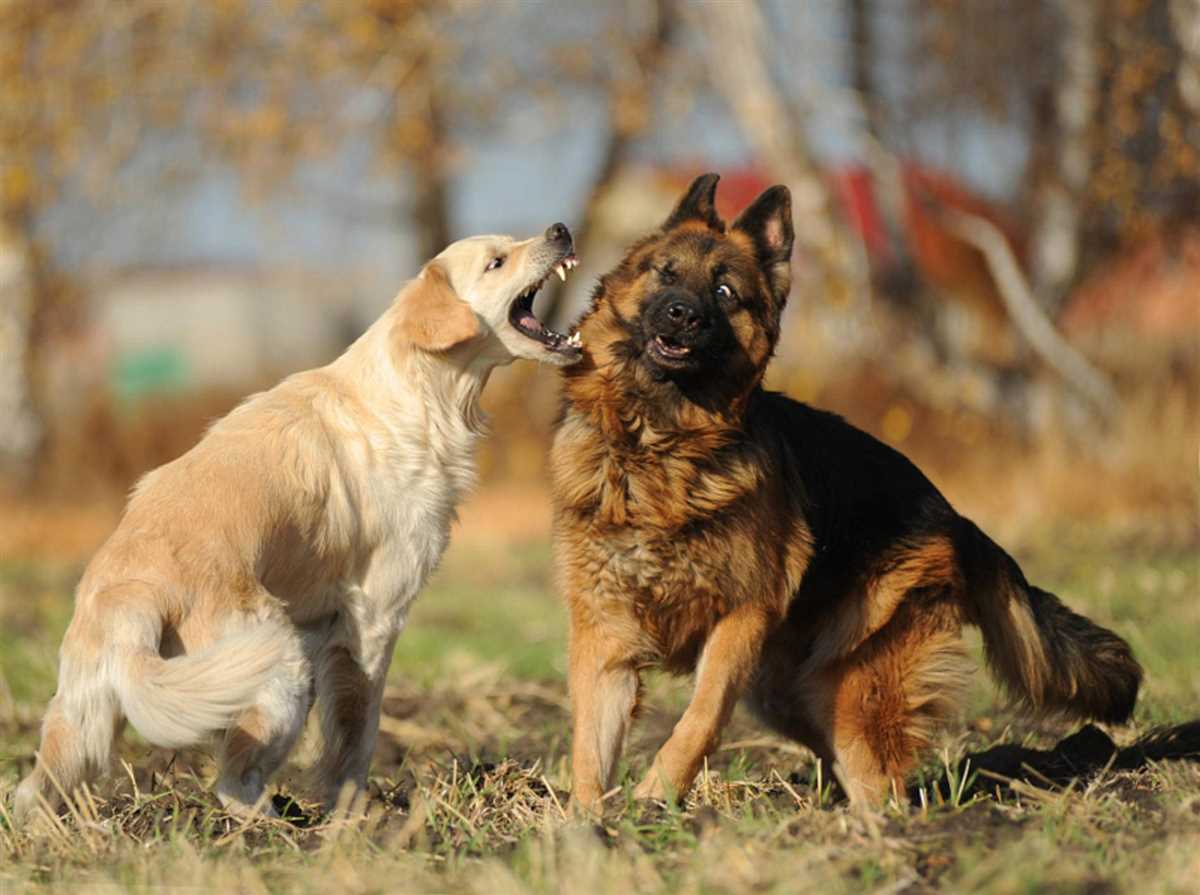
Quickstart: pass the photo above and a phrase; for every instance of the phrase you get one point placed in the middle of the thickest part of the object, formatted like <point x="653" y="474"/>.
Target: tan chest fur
<point x="658" y="543"/>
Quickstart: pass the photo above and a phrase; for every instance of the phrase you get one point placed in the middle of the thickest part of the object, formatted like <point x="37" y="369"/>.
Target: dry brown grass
<point x="441" y="821"/>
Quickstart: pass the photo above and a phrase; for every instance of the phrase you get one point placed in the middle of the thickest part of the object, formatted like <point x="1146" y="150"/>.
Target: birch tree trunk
<point x="1185" y="21"/>
<point x="738" y="49"/>
<point x="20" y="428"/>
<point x="1055" y="237"/>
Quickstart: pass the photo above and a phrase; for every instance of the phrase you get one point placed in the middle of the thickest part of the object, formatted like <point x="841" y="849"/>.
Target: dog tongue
<point x="528" y="320"/>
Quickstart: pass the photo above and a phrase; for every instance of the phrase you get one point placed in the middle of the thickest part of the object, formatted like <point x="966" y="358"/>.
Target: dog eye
<point x="726" y="293"/>
<point x="494" y="264"/>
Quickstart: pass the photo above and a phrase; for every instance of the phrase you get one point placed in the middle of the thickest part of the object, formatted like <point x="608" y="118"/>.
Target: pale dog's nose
<point x="558" y="233"/>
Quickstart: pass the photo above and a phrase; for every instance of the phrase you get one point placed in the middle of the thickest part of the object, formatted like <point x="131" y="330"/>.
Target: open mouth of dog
<point x="669" y="351"/>
<point x="521" y="315"/>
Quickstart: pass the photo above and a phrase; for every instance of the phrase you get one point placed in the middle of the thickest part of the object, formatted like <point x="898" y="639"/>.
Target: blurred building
<point x="163" y="331"/>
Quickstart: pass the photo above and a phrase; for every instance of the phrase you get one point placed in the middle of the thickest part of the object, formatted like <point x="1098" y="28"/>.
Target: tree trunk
<point x="737" y="49"/>
<point x="630" y="99"/>
<point x="895" y="273"/>
<point x="1057" y="223"/>
<point x="863" y="52"/>
<point x="20" y="427"/>
<point x="431" y="198"/>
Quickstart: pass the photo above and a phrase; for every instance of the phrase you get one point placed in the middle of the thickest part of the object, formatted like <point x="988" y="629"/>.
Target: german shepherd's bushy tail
<point x="1050" y="658"/>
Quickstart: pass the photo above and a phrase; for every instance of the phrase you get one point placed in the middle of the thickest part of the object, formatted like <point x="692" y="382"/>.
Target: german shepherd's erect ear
<point x="698" y="204"/>
<point x="432" y="317"/>
<point x="768" y="223"/>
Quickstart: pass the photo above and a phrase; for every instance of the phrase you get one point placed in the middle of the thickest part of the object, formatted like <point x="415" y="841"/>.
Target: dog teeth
<point x="568" y="263"/>
<point x="575" y="340"/>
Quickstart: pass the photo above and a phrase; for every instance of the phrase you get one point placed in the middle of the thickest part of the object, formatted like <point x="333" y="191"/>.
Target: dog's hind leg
<point x="261" y="737"/>
<point x="880" y="706"/>
<point x="77" y="732"/>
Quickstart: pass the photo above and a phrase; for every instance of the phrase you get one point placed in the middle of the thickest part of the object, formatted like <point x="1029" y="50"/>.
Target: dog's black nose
<point x="558" y="233"/>
<point x="679" y="312"/>
<point x="685" y="315"/>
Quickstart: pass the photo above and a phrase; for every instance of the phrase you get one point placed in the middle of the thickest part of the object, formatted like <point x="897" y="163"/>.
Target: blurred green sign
<point x="149" y="371"/>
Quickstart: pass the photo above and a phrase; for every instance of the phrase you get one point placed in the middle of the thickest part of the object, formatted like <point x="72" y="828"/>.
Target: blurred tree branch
<point x="1028" y="315"/>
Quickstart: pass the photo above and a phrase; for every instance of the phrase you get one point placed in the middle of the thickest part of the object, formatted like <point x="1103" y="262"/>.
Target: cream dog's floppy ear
<point x="432" y="316"/>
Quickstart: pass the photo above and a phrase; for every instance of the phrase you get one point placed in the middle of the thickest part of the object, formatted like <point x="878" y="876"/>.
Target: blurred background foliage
<point x="997" y="211"/>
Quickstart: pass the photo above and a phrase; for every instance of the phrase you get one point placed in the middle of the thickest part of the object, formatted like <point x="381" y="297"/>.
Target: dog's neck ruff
<point x="455" y="382"/>
<point x="620" y="402"/>
<point x="433" y="396"/>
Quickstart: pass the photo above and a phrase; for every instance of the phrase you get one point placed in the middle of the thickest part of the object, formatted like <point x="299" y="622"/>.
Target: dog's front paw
<point x="587" y="803"/>
<point x="245" y="809"/>
<point x="654" y="788"/>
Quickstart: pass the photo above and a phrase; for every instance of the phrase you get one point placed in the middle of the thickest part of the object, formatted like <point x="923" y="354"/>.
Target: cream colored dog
<point x="278" y="558"/>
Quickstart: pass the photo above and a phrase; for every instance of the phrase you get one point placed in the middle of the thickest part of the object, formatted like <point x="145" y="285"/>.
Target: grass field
<point x="470" y="778"/>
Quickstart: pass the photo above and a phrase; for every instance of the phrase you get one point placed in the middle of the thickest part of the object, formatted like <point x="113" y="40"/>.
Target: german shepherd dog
<point x="705" y="524"/>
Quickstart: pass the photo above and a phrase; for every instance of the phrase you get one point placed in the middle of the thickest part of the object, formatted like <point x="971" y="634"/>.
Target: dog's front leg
<point x="604" y="689"/>
<point x="725" y="668"/>
<point x="350" y="678"/>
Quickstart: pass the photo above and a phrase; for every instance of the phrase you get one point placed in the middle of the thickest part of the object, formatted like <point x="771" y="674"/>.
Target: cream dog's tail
<point x="172" y="702"/>
<point x="177" y="702"/>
